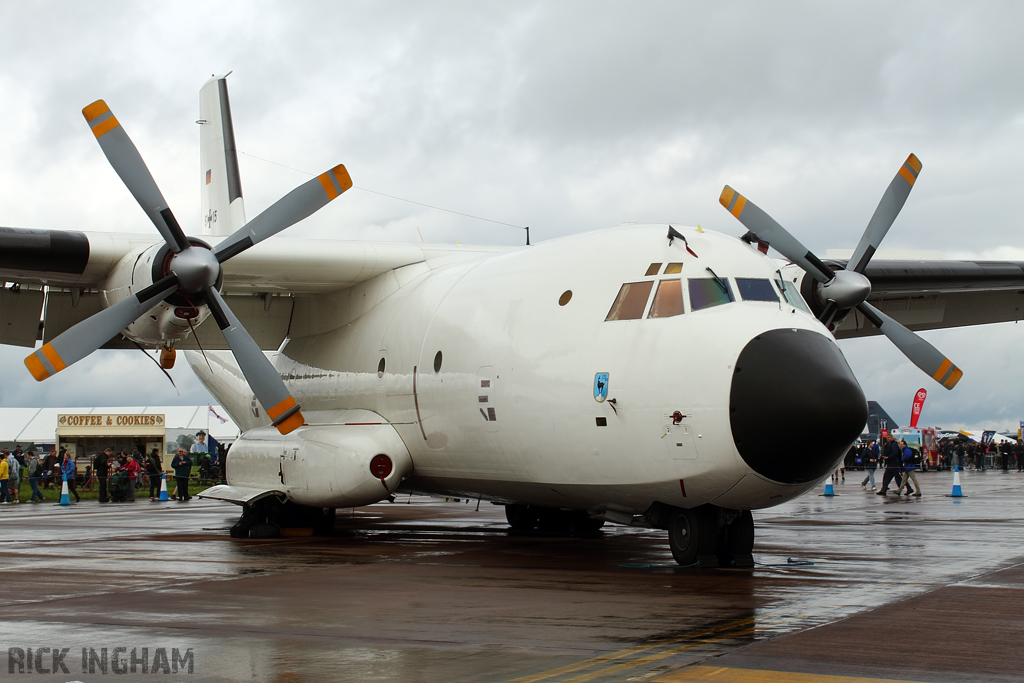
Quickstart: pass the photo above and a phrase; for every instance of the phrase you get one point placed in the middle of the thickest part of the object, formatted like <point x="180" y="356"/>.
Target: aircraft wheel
<point x="693" y="535"/>
<point x="683" y="536"/>
<point x="240" y="529"/>
<point x="584" y="525"/>
<point x="737" y="542"/>
<point x="521" y="517"/>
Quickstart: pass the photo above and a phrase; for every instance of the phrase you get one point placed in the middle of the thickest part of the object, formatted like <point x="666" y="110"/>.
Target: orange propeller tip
<point x="914" y="162"/>
<point x="344" y="179"/>
<point x="291" y="424"/>
<point x="93" y="110"/>
<point x="726" y="196"/>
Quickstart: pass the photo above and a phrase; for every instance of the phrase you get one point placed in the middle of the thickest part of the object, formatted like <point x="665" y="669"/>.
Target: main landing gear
<point x="707" y="536"/>
<point x="265" y="518"/>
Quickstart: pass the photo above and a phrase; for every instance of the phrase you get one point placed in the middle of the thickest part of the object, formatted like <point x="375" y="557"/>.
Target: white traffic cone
<point x="957" y="491"/>
<point x="65" y="498"/>
<point x="163" y="487"/>
<point x="829" y="490"/>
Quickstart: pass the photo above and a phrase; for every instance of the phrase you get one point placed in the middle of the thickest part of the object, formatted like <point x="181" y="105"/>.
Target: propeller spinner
<point x="843" y="290"/>
<point x="193" y="270"/>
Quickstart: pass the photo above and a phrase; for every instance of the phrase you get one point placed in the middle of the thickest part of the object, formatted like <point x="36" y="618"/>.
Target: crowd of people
<point x="967" y="455"/>
<point x="116" y="476"/>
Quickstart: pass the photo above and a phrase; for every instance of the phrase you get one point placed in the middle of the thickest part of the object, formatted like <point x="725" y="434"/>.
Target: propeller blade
<point x="303" y="201"/>
<point x="263" y="379"/>
<point x="921" y="353"/>
<point x="766" y="229"/>
<point x="79" y="341"/>
<point x="128" y="164"/>
<point x="885" y="213"/>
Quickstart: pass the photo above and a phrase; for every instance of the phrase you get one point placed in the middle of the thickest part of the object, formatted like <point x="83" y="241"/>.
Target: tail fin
<point x="223" y="209"/>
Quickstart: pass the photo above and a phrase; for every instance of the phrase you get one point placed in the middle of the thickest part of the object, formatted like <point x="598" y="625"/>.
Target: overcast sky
<point x="564" y="116"/>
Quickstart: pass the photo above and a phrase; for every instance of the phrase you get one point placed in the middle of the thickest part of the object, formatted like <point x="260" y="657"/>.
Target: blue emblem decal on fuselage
<point x="600" y="387"/>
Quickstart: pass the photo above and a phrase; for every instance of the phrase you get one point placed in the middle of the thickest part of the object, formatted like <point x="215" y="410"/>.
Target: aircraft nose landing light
<point x="795" y="406"/>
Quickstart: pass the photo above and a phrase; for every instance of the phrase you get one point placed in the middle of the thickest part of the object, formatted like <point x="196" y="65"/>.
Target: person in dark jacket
<point x="908" y="471"/>
<point x="154" y="470"/>
<point x="182" y="466"/>
<point x="101" y="468"/>
<point x="893" y="456"/>
<point x="33" y="469"/>
<point x="869" y="458"/>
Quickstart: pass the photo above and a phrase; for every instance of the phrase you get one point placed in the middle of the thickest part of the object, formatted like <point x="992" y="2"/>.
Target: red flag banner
<point x="915" y="412"/>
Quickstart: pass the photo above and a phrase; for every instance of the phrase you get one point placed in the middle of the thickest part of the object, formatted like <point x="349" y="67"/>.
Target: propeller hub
<point x="847" y="289"/>
<point x="196" y="268"/>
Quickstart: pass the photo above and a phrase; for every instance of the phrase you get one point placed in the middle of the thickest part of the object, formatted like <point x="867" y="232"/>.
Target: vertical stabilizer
<point x="223" y="209"/>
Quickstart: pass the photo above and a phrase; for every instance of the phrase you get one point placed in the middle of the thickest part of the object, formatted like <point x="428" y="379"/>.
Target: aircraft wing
<point x="929" y="295"/>
<point x="56" y="279"/>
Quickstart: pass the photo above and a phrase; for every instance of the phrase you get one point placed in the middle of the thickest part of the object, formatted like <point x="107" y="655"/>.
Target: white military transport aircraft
<point x="644" y="374"/>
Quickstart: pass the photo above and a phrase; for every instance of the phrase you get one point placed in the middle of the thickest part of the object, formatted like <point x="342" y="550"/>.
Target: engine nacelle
<point x="168" y="321"/>
<point x="359" y="462"/>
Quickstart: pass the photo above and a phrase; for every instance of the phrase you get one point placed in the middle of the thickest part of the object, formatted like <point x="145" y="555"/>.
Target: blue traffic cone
<point x="65" y="499"/>
<point x="957" y="491"/>
<point x="163" y="487"/>
<point x="829" y="490"/>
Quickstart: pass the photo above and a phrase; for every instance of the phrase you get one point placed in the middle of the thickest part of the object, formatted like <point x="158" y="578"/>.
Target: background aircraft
<point x="638" y="375"/>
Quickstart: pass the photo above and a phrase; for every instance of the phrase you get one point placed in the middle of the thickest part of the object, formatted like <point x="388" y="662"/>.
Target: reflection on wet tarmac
<point x="432" y="591"/>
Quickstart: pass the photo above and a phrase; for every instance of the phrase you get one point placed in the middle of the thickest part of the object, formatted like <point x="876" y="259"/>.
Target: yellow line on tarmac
<point x="718" y="674"/>
<point x="656" y="656"/>
<point x="610" y="657"/>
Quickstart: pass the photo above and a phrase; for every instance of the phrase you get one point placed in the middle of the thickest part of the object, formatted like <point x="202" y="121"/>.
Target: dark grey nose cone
<point x="795" y="406"/>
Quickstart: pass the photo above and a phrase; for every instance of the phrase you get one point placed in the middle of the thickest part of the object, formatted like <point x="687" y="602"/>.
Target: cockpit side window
<point x="631" y="301"/>
<point x="668" y="300"/>
<point x="792" y="294"/>
<point x="756" y="289"/>
<point x="707" y="292"/>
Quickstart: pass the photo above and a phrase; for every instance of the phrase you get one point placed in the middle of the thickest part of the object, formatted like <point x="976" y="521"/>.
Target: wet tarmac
<point x="855" y="587"/>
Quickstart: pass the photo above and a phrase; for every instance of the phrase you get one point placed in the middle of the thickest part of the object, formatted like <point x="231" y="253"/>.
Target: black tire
<point x="738" y="542"/>
<point x="684" y="536"/>
<point x="521" y="517"/>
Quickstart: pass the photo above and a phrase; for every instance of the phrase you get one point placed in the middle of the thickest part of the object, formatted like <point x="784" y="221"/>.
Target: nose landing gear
<point x="707" y="536"/>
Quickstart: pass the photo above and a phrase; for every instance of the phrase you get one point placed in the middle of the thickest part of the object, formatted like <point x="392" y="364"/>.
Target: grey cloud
<point x="565" y="116"/>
